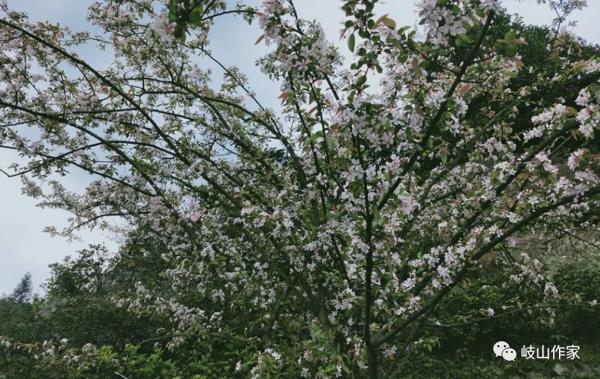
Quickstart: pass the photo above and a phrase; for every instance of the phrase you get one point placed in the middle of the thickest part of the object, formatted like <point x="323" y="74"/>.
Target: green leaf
<point x="172" y="7"/>
<point x="180" y="32"/>
<point x="196" y="16"/>
<point x="512" y="50"/>
<point x="466" y="38"/>
<point x="443" y="152"/>
<point x="389" y="23"/>
<point x="362" y="80"/>
<point x="403" y="29"/>
<point x="351" y="42"/>
<point x="510" y="36"/>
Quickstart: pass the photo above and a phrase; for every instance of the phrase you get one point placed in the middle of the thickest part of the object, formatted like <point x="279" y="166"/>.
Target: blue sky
<point x="23" y="244"/>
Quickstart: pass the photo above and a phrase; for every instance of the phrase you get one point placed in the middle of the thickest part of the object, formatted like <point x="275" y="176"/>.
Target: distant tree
<point x="81" y="291"/>
<point x="23" y="291"/>
<point x="18" y="322"/>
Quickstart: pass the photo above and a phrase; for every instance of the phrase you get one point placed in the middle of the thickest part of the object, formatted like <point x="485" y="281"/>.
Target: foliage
<point x="23" y="292"/>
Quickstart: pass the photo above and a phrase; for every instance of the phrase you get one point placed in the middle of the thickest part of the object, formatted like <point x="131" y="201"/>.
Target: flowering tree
<point x="323" y="234"/>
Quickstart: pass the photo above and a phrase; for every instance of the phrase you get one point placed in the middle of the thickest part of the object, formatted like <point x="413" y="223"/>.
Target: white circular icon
<point x="503" y="349"/>
<point x="509" y="354"/>
<point x="499" y="346"/>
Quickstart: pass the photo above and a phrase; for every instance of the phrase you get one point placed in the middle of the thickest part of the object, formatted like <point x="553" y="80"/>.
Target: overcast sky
<point x="23" y="244"/>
